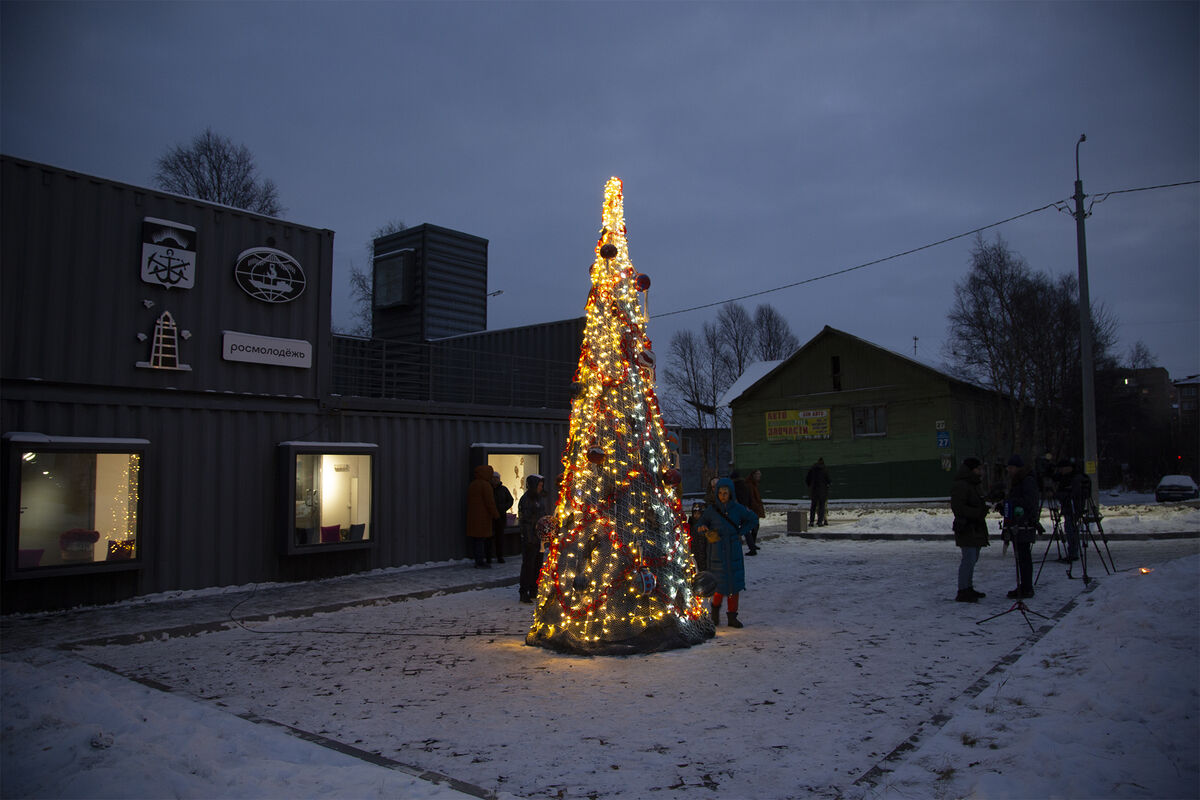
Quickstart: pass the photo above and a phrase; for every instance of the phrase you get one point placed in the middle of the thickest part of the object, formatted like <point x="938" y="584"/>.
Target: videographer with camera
<point x="1021" y="508"/>
<point x="1073" y="487"/>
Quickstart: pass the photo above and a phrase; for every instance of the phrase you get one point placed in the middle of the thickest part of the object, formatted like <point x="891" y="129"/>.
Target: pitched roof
<point x="752" y="375"/>
<point x="749" y="380"/>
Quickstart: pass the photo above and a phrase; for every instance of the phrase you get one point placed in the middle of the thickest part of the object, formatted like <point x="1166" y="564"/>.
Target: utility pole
<point x="1090" y="466"/>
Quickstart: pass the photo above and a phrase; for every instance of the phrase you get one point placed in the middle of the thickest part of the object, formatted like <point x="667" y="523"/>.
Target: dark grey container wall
<point x="424" y="468"/>
<point x="558" y="342"/>
<point x="532" y="365"/>
<point x="449" y="285"/>
<point x="71" y="302"/>
<point x="211" y="506"/>
<point x="70" y="253"/>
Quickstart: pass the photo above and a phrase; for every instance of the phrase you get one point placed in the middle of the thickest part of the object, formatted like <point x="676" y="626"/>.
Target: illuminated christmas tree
<point x="618" y="577"/>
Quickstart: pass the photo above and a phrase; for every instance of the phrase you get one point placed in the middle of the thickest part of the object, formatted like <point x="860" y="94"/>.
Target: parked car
<point x="1176" y="487"/>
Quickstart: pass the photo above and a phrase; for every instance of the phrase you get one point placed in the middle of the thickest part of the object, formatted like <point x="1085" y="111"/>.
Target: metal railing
<point x="447" y="373"/>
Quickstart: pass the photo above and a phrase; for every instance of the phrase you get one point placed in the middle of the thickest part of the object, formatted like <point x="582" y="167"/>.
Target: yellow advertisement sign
<point x="792" y="424"/>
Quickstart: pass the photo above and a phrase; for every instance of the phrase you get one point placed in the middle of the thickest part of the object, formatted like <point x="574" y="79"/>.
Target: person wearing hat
<point x="970" y="525"/>
<point x="1023" y="508"/>
<point x="818" y="482"/>
<point x="1070" y="500"/>
<point x="724" y="524"/>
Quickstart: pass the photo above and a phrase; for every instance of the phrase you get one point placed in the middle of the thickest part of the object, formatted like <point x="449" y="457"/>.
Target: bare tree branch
<point x="213" y="168"/>
<point x="773" y="337"/>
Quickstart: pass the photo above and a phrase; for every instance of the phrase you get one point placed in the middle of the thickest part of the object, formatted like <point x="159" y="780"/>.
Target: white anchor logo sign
<point x="168" y="253"/>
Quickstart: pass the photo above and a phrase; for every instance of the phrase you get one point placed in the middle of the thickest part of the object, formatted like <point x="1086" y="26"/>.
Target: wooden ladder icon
<point x="164" y="353"/>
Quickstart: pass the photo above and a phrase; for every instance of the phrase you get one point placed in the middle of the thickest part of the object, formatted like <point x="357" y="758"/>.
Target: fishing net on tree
<point x="618" y="576"/>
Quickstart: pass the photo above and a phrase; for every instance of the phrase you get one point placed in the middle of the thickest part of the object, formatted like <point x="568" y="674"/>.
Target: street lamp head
<point x="1082" y="137"/>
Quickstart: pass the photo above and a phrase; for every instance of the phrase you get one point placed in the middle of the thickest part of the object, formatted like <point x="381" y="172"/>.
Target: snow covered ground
<point x="856" y="676"/>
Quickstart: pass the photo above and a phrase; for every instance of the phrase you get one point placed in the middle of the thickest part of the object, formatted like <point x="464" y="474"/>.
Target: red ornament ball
<point x="642" y="282"/>
<point x="672" y="477"/>
<point x="608" y="251"/>
<point x="546" y="527"/>
<point x="595" y="455"/>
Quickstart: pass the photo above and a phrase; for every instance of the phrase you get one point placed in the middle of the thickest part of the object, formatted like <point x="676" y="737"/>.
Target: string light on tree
<point x="618" y="577"/>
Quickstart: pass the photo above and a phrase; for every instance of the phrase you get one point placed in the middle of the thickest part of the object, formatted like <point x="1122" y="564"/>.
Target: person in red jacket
<point x="481" y="510"/>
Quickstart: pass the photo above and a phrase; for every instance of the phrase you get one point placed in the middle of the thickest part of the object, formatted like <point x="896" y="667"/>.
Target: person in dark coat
<point x="970" y="525"/>
<point x="481" y="510"/>
<point x="818" y="482"/>
<point x="504" y="501"/>
<point x="741" y="493"/>
<point x="1023" y="506"/>
<point x="696" y="541"/>
<point x="723" y="524"/>
<point x="530" y="509"/>
<point x="754" y="503"/>
<point x="1070" y="495"/>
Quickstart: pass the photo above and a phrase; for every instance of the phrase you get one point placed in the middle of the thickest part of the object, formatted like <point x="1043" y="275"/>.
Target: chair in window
<point x="78" y="544"/>
<point x="121" y="549"/>
<point x="331" y="533"/>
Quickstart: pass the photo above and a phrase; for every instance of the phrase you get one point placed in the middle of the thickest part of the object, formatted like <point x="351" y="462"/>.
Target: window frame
<point x="392" y="278"/>
<point x="18" y="442"/>
<point x="483" y="453"/>
<point x="874" y="410"/>
<point x="286" y="494"/>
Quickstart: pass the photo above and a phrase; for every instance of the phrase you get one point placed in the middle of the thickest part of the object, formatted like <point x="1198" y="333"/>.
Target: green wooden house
<point x="888" y="426"/>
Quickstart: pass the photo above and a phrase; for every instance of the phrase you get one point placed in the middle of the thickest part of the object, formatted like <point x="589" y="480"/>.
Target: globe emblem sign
<point x="269" y="275"/>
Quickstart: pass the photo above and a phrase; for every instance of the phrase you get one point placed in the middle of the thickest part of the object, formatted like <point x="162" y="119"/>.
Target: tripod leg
<point x="1026" y="611"/>
<point x="1038" y="577"/>
<point x="1104" y="539"/>
<point x="1100" y="555"/>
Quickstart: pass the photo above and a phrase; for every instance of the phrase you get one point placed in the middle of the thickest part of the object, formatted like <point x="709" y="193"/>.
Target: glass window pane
<point x="333" y="498"/>
<point x="78" y="508"/>
<point x="513" y="468"/>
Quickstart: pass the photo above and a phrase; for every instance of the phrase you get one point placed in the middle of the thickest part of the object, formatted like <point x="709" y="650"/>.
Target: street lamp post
<point x="1087" y="365"/>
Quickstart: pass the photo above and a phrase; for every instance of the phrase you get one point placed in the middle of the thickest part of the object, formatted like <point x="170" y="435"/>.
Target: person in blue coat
<point x="724" y="522"/>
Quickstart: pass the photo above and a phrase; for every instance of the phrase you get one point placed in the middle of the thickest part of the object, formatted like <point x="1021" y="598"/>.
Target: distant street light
<point x="1090" y="465"/>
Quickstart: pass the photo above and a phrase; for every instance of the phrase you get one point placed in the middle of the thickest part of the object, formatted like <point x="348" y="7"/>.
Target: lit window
<point x="514" y="463"/>
<point x="77" y="503"/>
<point x="329" y="505"/>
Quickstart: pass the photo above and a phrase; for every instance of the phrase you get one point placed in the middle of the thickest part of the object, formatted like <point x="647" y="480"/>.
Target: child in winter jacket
<point x="724" y="523"/>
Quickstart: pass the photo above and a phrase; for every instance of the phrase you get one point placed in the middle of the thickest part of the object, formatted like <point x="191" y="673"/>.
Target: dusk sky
<point x="760" y="144"/>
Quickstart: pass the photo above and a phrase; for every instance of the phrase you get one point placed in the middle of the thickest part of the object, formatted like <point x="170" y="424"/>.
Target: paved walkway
<point x="204" y="611"/>
<point x="192" y="613"/>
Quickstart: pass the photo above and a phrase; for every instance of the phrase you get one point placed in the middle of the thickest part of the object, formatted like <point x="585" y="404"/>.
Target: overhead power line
<point x="1055" y="204"/>
<point x="1103" y="195"/>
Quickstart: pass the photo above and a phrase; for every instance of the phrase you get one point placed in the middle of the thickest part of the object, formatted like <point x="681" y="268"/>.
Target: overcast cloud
<point x="761" y="144"/>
